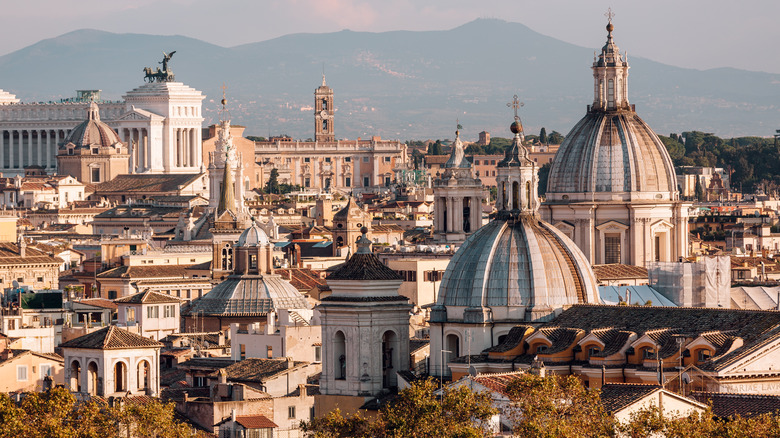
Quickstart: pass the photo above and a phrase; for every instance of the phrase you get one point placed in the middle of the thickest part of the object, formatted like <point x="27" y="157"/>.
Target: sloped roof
<point x="618" y="271"/>
<point x="499" y="381"/>
<point x="617" y="396"/>
<point x="144" y="183"/>
<point x="745" y="405"/>
<point x="159" y="271"/>
<point x="256" y="370"/>
<point x="9" y="255"/>
<point x="364" y="267"/>
<point x="111" y="338"/>
<point x="98" y="302"/>
<point x="148" y="297"/>
<point x="255" y="422"/>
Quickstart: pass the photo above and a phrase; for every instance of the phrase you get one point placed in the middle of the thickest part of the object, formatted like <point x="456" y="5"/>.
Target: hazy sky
<point x="688" y="33"/>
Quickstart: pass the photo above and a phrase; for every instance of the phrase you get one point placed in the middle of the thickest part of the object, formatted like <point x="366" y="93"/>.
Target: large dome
<point x="524" y="268"/>
<point x="92" y="132"/>
<point x="610" y="156"/>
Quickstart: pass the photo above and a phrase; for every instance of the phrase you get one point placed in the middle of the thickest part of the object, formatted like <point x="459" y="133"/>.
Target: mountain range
<point x="400" y="84"/>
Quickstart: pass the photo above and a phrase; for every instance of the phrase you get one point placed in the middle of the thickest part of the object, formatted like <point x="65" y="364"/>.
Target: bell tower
<point x="323" y="113"/>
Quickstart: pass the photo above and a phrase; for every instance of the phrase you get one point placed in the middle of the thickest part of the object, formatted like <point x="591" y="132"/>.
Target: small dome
<point x="253" y="236"/>
<point x="92" y="132"/>
<point x="525" y="264"/>
<point x="613" y="154"/>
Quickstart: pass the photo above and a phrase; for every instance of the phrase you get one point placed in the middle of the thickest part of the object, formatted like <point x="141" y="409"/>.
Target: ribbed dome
<point x="612" y="153"/>
<point x="253" y="236"/>
<point x="92" y="132"/>
<point x="518" y="263"/>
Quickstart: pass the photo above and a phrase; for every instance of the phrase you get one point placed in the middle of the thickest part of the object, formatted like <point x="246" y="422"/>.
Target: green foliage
<point x="272" y="186"/>
<point x="555" y="137"/>
<point x="255" y="138"/>
<point x="675" y="148"/>
<point x="435" y="148"/>
<point x="543" y="136"/>
<point x="416" y="412"/>
<point x="544" y="173"/>
<point x="699" y="190"/>
<point x="56" y="414"/>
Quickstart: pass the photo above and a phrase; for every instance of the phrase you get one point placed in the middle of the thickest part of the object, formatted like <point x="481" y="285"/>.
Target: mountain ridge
<point x="398" y="84"/>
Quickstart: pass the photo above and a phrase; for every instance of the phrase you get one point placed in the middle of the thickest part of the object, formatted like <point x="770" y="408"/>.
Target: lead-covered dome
<point x="611" y="154"/>
<point x="253" y="236"/>
<point x="525" y="265"/>
<point x="92" y="132"/>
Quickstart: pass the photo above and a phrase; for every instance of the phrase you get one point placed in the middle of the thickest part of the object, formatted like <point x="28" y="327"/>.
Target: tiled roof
<point x="111" y="338"/>
<point x="98" y="302"/>
<point x="417" y="344"/>
<point x="302" y="279"/>
<point x="147" y="297"/>
<point x="255" y="422"/>
<point x="364" y="267"/>
<point x="613" y="340"/>
<point x="9" y="255"/>
<point x="498" y="382"/>
<point x="256" y="370"/>
<point x="616" y="396"/>
<point x="745" y="405"/>
<point x="560" y="337"/>
<point x="213" y="363"/>
<point x="755" y="327"/>
<point x="159" y="271"/>
<point x="616" y="271"/>
<point x="147" y="183"/>
<point x="512" y="339"/>
<point x="140" y="211"/>
<point x="247" y="295"/>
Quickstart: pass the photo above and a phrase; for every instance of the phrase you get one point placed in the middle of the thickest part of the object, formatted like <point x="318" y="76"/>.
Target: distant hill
<point x="407" y="85"/>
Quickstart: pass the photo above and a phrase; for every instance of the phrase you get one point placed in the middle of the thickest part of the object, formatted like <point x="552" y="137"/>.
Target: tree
<point x="255" y="138"/>
<point x="555" y="137"/>
<point x="544" y="174"/>
<point x="556" y="406"/>
<point x="272" y="186"/>
<point x="435" y="148"/>
<point x="543" y="136"/>
<point x="699" y="190"/>
<point x="416" y="412"/>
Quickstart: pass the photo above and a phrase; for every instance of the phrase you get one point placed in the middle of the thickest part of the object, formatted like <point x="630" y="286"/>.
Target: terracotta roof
<point x="512" y="339"/>
<point x="613" y="340"/>
<point x="364" y="267"/>
<point x="145" y="183"/>
<point x="255" y="422"/>
<point x="617" y="396"/>
<point x="417" y="344"/>
<point x="158" y="271"/>
<point x="111" y="338"/>
<point x="98" y="302"/>
<point x="148" y="297"/>
<point x="9" y="255"/>
<point x="560" y="337"/>
<point x="617" y="271"/>
<point x="498" y="382"/>
<point x="141" y="211"/>
<point x="256" y="370"/>
<point x="745" y="405"/>
<point x="302" y="279"/>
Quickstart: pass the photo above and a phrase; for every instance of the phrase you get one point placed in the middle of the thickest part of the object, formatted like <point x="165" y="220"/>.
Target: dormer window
<point x="703" y="355"/>
<point x="649" y="353"/>
<point x="592" y="351"/>
<point x="541" y="349"/>
<point x="95" y="151"/>
<point x="70" y="151"/>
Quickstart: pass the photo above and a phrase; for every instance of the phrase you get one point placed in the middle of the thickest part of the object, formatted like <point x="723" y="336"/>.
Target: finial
<point x="224" y="114"/>
<point x="458" y="127"/>
<point x="516" y="127"/>
<point x="363" y="242"/>
<point x="323" y="74"/>
<point x="609" y="14"/>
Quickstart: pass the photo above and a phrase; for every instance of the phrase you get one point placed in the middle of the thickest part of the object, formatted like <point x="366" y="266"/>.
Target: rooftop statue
<point x="164" y="75"/>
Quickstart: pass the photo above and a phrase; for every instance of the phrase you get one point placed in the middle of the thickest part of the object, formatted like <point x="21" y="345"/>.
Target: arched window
<point x="528" y="194"/>
<point x="504" y="196"/>
<point x="389" y="360"/>
<point x="120" y="377"/>
<point x="611" y="94"/>
<point x="75" y="376"/>
<point x="340" y="355"/>
<point x="451" y="344"/>
<point x="143" y="375"/>
<point x="92" y="378"/>
<point x="515" y="195"/>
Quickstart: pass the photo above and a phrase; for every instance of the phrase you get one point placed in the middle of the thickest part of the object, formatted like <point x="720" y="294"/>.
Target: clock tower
<point x="323" y="113"/>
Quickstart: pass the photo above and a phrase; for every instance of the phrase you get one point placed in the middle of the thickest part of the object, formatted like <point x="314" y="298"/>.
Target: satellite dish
<point x="686" y="378"/>
<point x="472" y="371"/>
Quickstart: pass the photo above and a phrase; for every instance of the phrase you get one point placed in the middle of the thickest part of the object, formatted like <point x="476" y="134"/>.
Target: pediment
<point x="612" y="227"/>
<point x="662" y="225"/>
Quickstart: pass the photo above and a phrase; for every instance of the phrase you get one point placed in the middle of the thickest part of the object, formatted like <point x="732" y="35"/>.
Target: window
<point x="649" y="353"/>
<point x="40" y="279"/>
<point x="387" y="159"/>
<point x="242" y="349"/>
<point x="306" y="159"/>
<point x="492" y="162"/>
<point x="366" y="181"/>
<point x="433" y="275"/>
<point x="21" y="373"/>
<point x="347" y="159"/>
<point x="20" y="279"/>
<point x="269" y="350"/>
<point x="348" y="182"/>
<point x="327" y="159"/>
<point x="541" y="349"/>
<point x="291" y="412"/>
<point x="46" y="371"/>
<point x="95" y="175"/>
<point x="253" y="261"/>
<point x="387" y="181"/>
<point x="170" y="310"/>
<point x="153" y="312"/>
<point x="112" y="295"/>
<point x="592" y="351"/>
<point x="612" y="248"/>
<point x="95" y="151"/>
<point x="365" y="159"/>
<point x="476" y="162"/>
<point x="318" y="353"/>
<point x="199" y="381"/>
<point x="703" y="355"/>
<point x="307" y="182"/>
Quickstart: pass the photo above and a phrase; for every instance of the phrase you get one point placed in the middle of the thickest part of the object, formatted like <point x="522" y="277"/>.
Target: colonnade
<point x="186" y="142"/>
<point x="26" y="147"/>
<point x="137" y="142"/>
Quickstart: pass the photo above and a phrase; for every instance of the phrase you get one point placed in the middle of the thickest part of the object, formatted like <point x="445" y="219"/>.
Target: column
<point x="2" y="149"/>
<point x="29" y="148"/>
<point x="49" y="151"/>
<point x="476" y="213"/>
<point x="39" y="161"/>
<point x="177" y="135"/>
<point x="377" y="182"/>
<point x="450" y="208"/>
<point x="194" y="145"/>
<point x="144" y="151"/>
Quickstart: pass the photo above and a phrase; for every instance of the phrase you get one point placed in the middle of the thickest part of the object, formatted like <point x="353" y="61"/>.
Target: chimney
<point x="6" y="354"/>
<point x="270" y="323"/>
<point x="290" y="362"/>
<point x="302" y="391"/>
<point x="221" y="337"/>
<point x="298" y="260"/>
<point x="186" y="397"/>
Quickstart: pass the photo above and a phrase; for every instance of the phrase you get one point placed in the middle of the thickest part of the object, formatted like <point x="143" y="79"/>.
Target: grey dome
<point x="518" y="263"/>
<point x="612" y="153"/>
<point x="92" y="132"/>
<point x="248" y="295"/>
<point x="253" y="236"/>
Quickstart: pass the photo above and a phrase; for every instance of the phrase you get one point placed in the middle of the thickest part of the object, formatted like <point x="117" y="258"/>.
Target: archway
<point x="515" y="195"/>
<point x="389" y="359"/>
<point x="92" y="378"/>
<point x="451" y="344"/>
<point x="75" y="376"/>
<point x="340" y="355"/>
<point x="143" y="376"/>
<point x="120" y="377"/>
